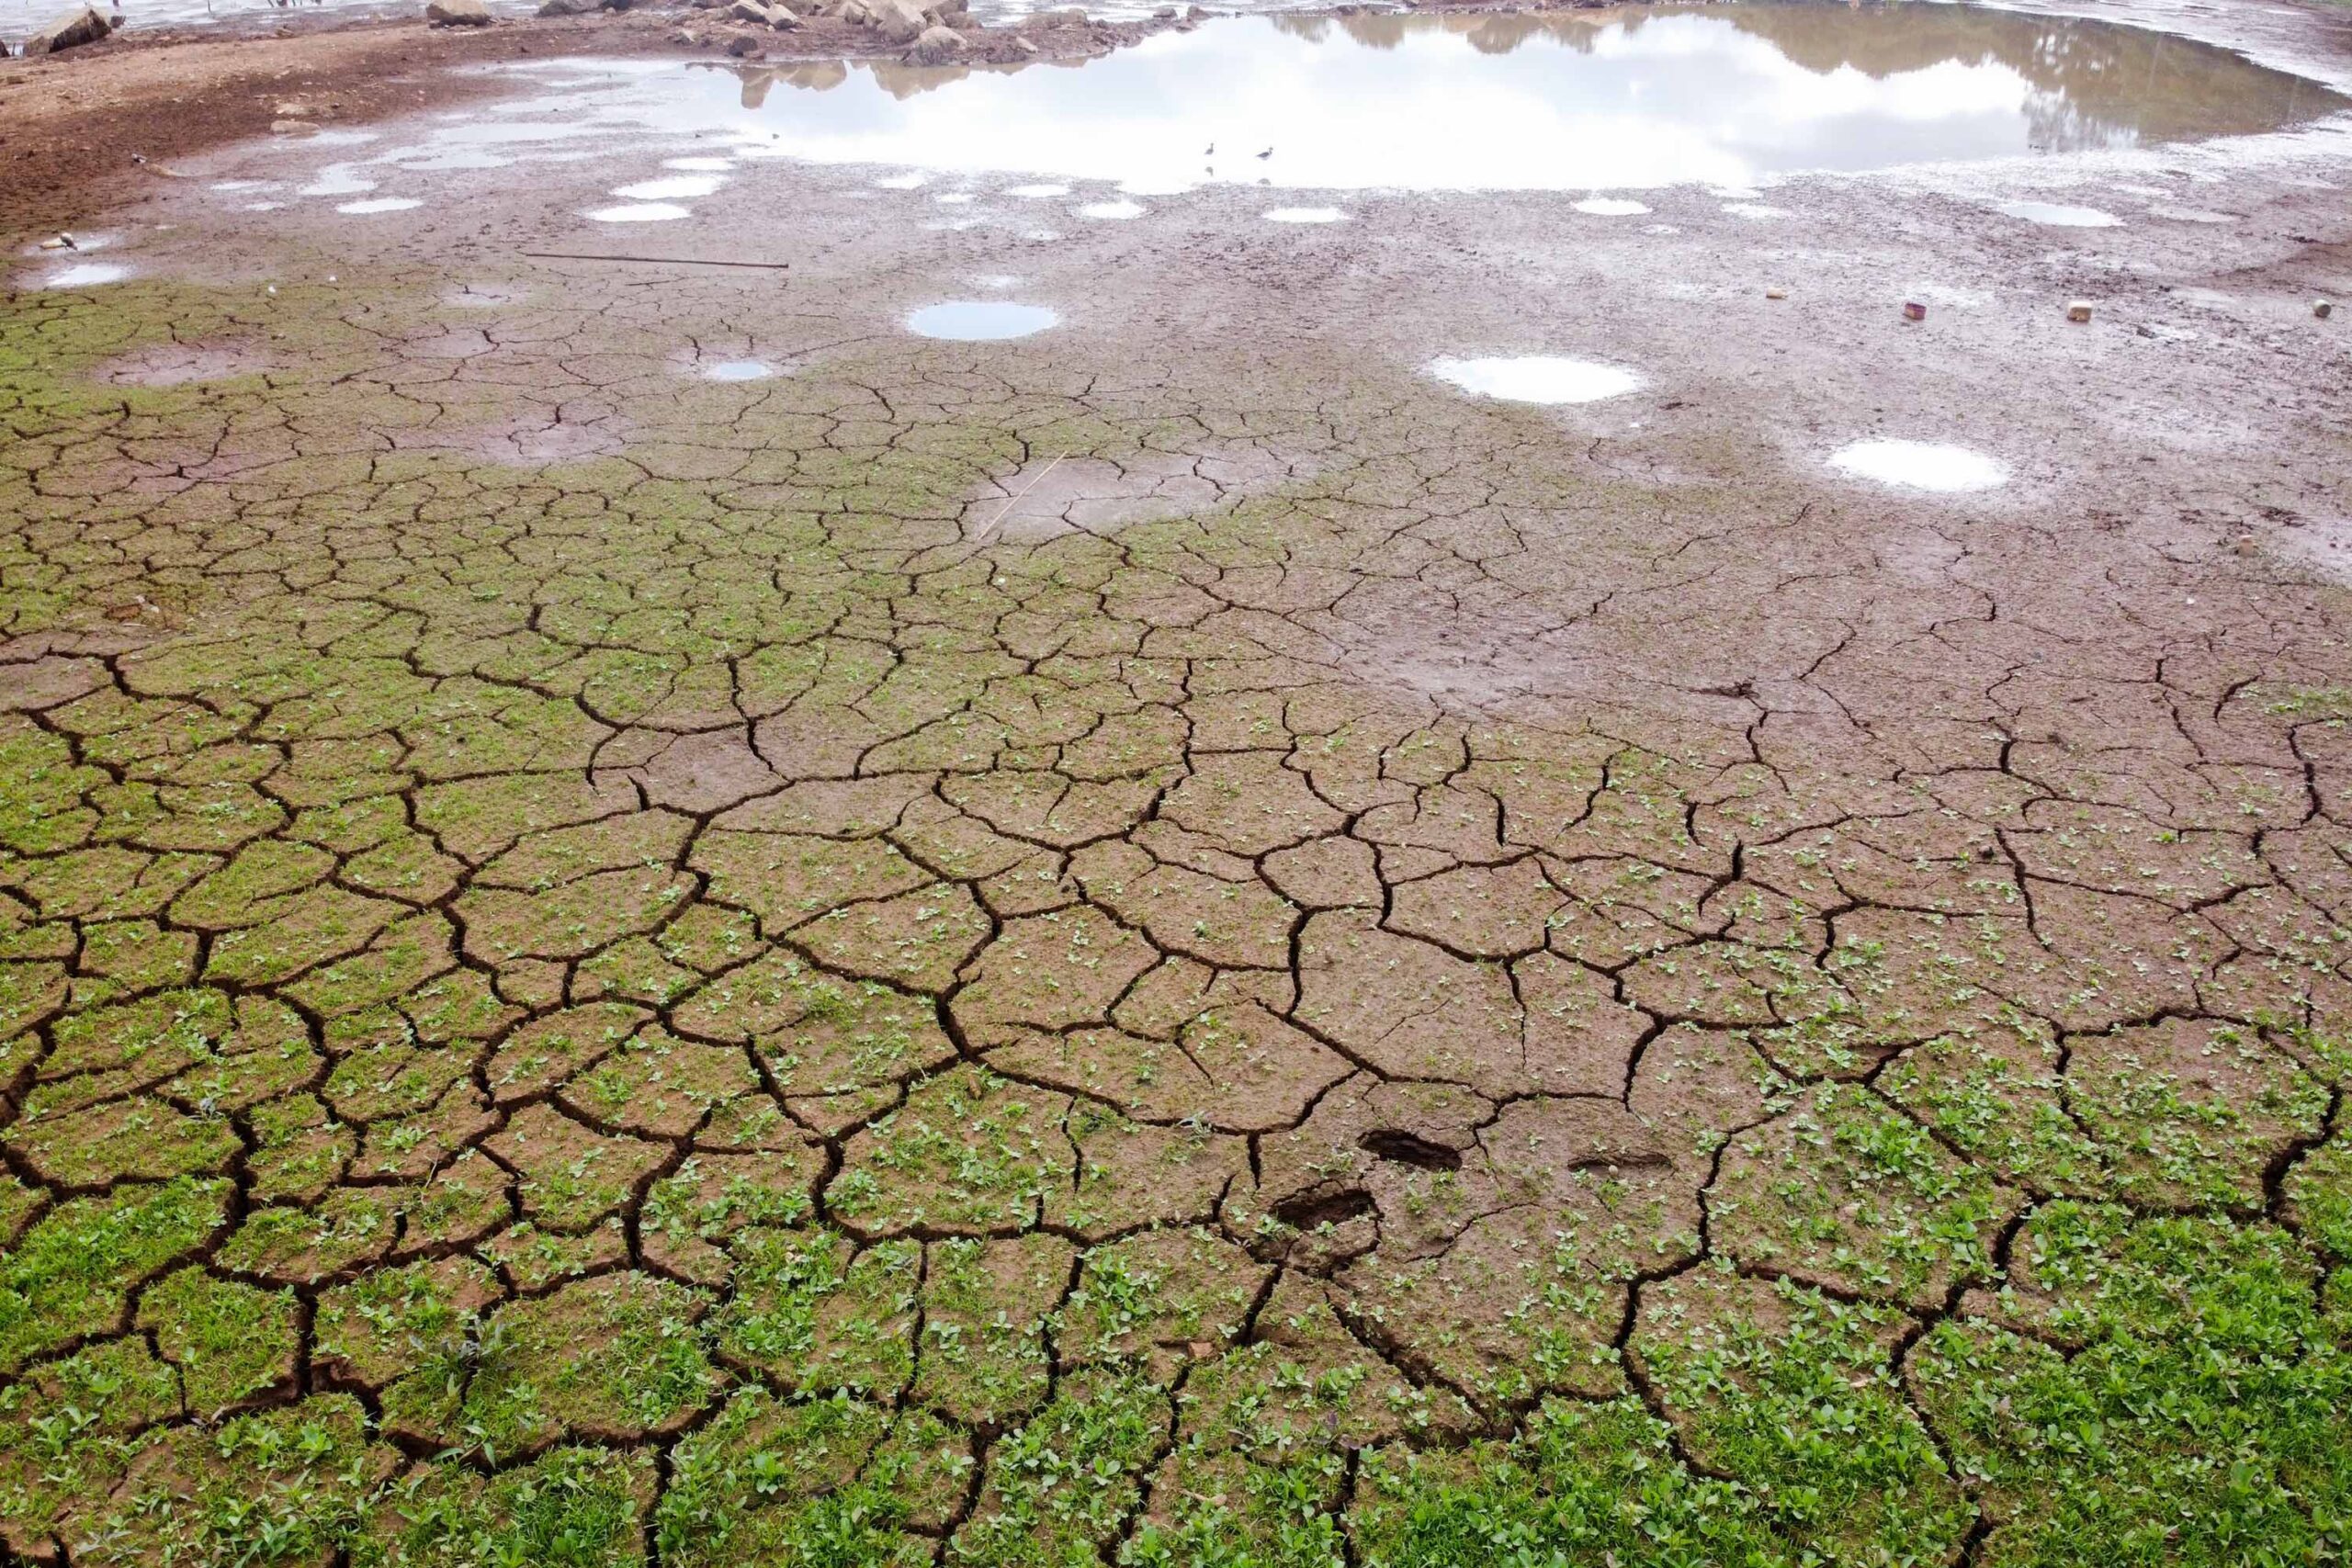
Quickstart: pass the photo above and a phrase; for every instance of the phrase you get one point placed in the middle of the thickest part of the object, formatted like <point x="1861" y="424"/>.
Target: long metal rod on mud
<point x="1013" y="500"/>
<point x="649" y="261"/>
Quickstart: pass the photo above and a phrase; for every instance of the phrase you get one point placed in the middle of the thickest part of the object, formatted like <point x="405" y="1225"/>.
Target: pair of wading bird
<point x="1210" y="152"/>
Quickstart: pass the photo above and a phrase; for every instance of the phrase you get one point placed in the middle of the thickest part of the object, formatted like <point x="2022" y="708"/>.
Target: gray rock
<point x="749" y="11"/>
<point x="936" y="46"/>
<point x="71" y="30"/>
<point x="458" y="13"/>
<point x="744" y="46"/>
<point x="781" y="20"/>
<point x="898" y="21"/>
<point x="567" y="7"/>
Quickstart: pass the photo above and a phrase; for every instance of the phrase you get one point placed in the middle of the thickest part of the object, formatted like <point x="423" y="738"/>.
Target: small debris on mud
<point x="1914" y="310"/>
<point x="2078" y="311"/>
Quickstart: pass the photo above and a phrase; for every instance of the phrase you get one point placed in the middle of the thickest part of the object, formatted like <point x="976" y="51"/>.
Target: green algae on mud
<point x="660" y="999"/>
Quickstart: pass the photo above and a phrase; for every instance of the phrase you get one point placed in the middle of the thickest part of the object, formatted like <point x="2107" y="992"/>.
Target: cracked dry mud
<point x="1109" y="949"/>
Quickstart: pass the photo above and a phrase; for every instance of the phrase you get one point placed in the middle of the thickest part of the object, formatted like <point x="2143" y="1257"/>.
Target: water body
<point x="1536" y="378"/>
<point x="1933" y="466"/>
<point x="980" y="320"/>
<point x="1623" y="99"/>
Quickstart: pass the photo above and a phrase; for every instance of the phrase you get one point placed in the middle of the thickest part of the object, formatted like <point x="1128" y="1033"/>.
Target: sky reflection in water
<point x="1621" y="99"/>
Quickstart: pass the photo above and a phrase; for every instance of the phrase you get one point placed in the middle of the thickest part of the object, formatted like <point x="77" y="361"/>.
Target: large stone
<point x="898" y="21"/>
<point x="936" y="46"/>
<point x="69" y="31"/>
<point x="458" y="13"/>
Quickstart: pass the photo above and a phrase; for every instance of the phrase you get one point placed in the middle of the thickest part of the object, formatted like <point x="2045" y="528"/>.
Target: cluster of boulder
<point x="928" y="32"/>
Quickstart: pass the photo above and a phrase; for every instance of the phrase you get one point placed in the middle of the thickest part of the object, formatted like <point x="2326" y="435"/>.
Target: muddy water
<point x="1619" y="99"/>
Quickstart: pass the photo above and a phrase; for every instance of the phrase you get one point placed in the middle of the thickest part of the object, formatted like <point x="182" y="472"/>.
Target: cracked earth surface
<point x="1121" y="948"/>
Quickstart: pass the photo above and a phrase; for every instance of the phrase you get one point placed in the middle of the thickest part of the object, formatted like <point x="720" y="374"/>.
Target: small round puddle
<point x="1305" y="215"/>
<point x="379" y="204"/>
<point x="677" y="187"/>
<point x="1536" y="378"/>
<point x="2057" y="215"/>
<point x="86" y="274"/>
<point x="738" y="370"/>
<point x="1110" y="210"/>
<point x="336" y="179"/>
<point x="639" y="213"/>
<point x="456" y="159"/>
<point x="1610" y="207"/>
<point x="1036" y="193"/>
<point x="980" y="320"/>
<point x="1920" y="465"/>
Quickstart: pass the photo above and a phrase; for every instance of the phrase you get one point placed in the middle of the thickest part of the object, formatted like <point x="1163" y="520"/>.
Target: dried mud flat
<point x="1169" y="941"/>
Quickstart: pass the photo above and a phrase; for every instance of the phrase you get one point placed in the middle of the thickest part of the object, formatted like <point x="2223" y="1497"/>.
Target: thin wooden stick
<point x="1013" y="500"/>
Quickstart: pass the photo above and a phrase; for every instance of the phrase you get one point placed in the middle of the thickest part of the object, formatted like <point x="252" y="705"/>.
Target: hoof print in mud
<point x="1319" y="1230"/>
<point x="1399" y="1146"/>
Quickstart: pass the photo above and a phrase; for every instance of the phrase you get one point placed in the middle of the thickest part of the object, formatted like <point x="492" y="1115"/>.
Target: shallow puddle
<point x="1920" y="465"/>
<point x="1634" y="98"/>
<point x="85" y="274"/>
<point x="639" y="213"/>
<point x="677" y="188"/>
<point x="1536" y="378"/>
<point x="738" y="370"/>
<point x="2058" y="215"/>
<point x="980" y="320"/>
